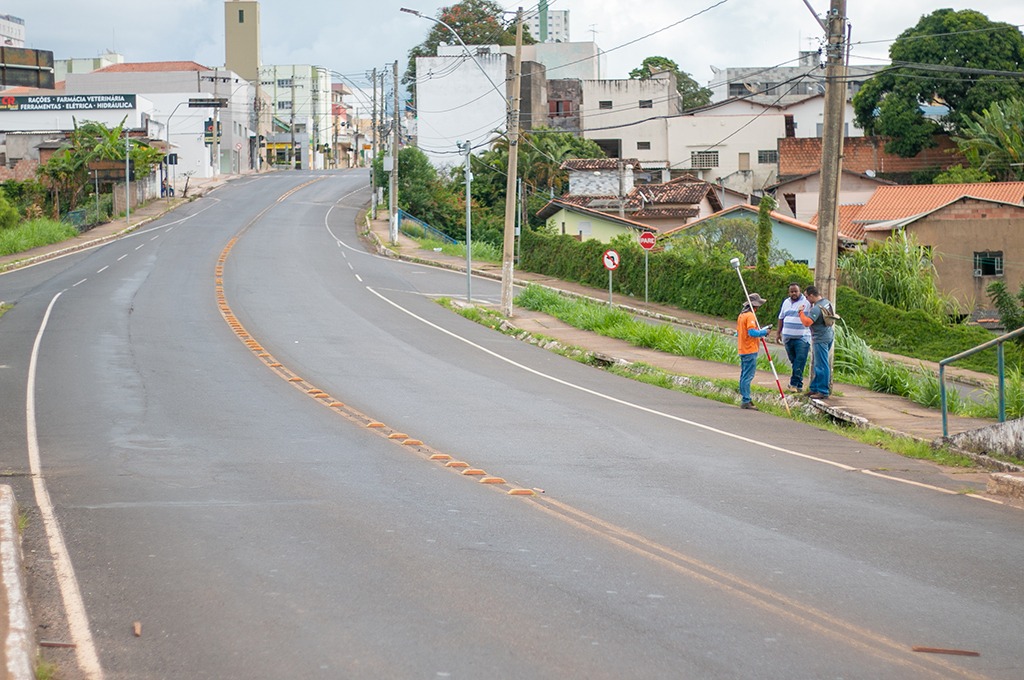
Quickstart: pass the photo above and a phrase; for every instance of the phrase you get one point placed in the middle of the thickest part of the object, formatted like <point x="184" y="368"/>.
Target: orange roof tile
<point x="897" y="202"/>
<point x="154" y="66"/>
<point x="598" y="163"/>
<point x="848" y="226"/>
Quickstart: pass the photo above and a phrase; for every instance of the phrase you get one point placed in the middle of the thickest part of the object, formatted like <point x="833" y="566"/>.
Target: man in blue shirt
<point x="793" y="335"/>
<point x="822" y="336"/>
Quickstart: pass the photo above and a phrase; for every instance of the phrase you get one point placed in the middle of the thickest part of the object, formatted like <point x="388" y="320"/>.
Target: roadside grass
<point x="481" y="250"/>
<point x="5" y="307"/>
<point x="724" y="391"/>
<point x="46" y="670"/>
<point x="616" y="323"/>
<point x="34" y="233"/>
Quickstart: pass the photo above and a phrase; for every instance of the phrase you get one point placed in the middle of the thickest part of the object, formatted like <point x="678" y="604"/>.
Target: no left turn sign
<point x="611" y="260"/>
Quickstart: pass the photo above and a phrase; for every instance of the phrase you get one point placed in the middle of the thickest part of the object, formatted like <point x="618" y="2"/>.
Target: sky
<point x="354" y="36"/>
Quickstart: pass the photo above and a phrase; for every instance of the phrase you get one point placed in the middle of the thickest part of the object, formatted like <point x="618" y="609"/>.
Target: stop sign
<point x="647" y="240"/>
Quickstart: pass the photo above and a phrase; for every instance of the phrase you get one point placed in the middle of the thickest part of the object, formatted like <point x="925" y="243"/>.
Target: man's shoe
<point x="817" y="395"/>
<point x="794" y="390"/>
<point x="748" y="405"/>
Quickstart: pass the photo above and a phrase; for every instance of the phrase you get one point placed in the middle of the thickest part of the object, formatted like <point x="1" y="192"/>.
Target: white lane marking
<point x="359" y="278"/>
<point x="78" y="622"/>
<point x="139" y="246"/>
<point x="155" y="237"/>
<point x="122" y="257"/>
<point x="669" y="416"/>
<point x="79" y="283"/>
<point x="102" y="269"/>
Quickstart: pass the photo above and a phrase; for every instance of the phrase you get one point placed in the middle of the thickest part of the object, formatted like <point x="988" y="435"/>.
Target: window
<point x="703" y="159"/>
<point x="559" y="108"/>
<point x="643" y="146"/>
<point x="241" y="16"/>
<point x="768" y="156"/>
<point x="988" y="263"/>
<point x="743" y="161"/>
<point x="646" y="103"/>
<point x="738" y="90"/>
<point x="284" y="105"/>
<point x="606" y="104"/>
<point x="284" y="82"/>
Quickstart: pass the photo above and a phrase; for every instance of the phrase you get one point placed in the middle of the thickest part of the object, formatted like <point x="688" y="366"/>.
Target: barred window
<point x="284" y="82"/>
<point x="606" y="104"/>
<point x="988" y="263"/>
<point x="768" y="156"/>
<point x="643" y="146"/>
<point x="646" y="103"/>
<point x="703" y="159"/>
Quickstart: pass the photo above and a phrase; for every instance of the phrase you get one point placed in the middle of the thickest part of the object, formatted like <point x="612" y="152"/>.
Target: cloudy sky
<point x="354" y="36"/>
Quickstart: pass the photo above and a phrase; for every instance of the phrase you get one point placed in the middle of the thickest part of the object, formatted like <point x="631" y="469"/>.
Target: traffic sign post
<point x="610" y="259"/>
<point x="647" y="241"/>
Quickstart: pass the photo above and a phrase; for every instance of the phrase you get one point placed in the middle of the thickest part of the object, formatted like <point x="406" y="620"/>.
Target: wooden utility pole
<point x="831" y="153"/>
<point x="394" y="163"/>
<point x="508" y="248"/>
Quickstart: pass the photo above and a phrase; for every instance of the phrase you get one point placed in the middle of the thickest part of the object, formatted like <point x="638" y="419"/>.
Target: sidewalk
<point x="851" y="403"/>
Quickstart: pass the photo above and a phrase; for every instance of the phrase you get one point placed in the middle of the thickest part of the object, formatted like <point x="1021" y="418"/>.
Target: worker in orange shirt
<point x="747" y="333"/>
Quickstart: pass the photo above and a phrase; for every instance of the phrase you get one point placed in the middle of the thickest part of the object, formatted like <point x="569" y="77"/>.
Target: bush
<point x="8" y="214"/>
<point x="34" y="233"/>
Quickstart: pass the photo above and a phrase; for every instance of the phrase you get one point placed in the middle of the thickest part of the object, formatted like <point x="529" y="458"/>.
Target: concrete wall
<point x="581" y="60"/>
<point x="853" y="189"/>
<point x="799" y="156"/>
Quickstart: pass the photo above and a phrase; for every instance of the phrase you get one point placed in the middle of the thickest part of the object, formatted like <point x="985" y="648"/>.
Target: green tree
<point x="422" y="193"/>
<point x="733" y="236"/>
<point x="993" y="140"/>
<point x="477" y="22"/>
<point x="1011" y="309"/>
<point x="692" y="94"/>
<point x="764" y="233"/>
<point x="958" y="174"/>
<point x="956" y="46"/>
<point x="67" y="171"/>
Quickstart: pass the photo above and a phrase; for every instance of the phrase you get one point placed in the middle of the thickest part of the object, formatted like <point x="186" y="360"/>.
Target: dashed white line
<point x="80" y="283"/>
<point x="103" y="269"/>
<point x="139" y="246"/>
<point x="122" y="257"/>
<point x="155" y="237"/>
<point x="359" y="278"/>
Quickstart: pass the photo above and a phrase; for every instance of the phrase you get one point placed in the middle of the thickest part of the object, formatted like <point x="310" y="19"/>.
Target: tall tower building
<point x="242" y="38"/>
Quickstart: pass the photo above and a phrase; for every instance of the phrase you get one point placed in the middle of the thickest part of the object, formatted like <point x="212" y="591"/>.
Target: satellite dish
<point x="869" y="173"/>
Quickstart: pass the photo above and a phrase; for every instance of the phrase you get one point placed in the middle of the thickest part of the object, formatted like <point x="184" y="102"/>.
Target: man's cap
<point x="756" y="300"/>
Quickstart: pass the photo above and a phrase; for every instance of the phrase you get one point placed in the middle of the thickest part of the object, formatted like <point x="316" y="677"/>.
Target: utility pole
<point x="394" y="162"/>
<point x="216" y="125"/>
<point x="468" y="149"/>
<point x="373" y="130"/>
<point x="826" y="254"/>
<point x="508" y="252"/>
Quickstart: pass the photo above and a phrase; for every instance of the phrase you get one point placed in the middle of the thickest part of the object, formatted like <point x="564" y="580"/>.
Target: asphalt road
<point x="245" y="529"/>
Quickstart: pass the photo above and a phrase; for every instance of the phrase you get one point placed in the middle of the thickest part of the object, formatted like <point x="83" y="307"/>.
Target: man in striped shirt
<point x="794" y="336"/>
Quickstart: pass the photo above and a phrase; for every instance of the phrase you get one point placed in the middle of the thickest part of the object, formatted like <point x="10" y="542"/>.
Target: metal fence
<point x="417" y="228"/>
<point x="1001" y="365"/>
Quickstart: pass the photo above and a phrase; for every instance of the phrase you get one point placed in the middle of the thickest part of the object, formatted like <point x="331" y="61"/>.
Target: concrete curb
<point x="19" y="647"/>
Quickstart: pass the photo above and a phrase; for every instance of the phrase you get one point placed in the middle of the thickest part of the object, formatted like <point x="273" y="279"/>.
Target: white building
<point x="783" y="84"/>
<point x="170" y="85"/>
<point x="738" y="152"/>
<point x="555" y="30"/>
<point x="300" y="96"/>
<point x="806" y="116"/>
<point x="12" y="31"/>
<point x="628" y="118"/>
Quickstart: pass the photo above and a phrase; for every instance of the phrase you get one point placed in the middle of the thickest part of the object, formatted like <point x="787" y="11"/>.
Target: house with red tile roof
<point x="975" y="231"/>
<point x="567" y="217"/>
<point x="798" y="196"/>
<point x="796" y="237"/>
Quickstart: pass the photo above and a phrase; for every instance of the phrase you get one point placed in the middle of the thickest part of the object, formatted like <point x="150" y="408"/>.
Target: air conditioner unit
<point x="977" y="273"/>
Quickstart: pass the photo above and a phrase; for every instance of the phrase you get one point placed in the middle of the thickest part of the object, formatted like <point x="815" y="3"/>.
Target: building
<point x="12" y="31"/>
<point x="242" y="38"/>
<point x="548" y="25"/>
<point x="783" y="84"/>
<point x="800" y="156"/>
<point x="973" y="230"/>
<point x="300" y="97"/>
<point x="798" y="196"/>
<point x="62" y="67"/>
<point x="627" y="118"/>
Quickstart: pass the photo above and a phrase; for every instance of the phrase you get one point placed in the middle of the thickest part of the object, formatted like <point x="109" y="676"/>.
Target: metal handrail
<point x="1001" y="363"/>
<point x="428" y="231"/>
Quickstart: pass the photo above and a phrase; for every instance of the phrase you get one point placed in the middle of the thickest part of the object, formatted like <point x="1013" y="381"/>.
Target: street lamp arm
<point x="464" y="46"/>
